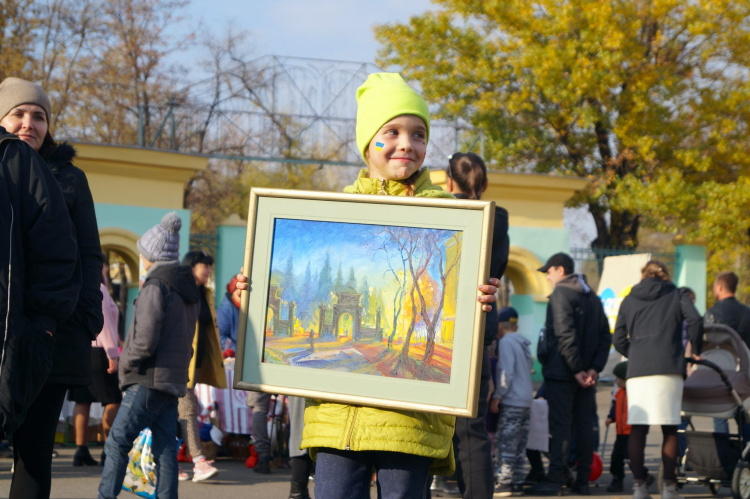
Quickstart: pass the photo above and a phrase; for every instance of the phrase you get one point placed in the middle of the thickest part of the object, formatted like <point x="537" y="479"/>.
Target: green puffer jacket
<point x="360" y="428"/>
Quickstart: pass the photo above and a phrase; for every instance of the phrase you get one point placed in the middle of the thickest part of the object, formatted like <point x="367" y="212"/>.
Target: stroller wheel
<point x="741" y="481"/>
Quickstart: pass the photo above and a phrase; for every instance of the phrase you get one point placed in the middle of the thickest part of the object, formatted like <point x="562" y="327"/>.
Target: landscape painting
<point x="377" y="300"/>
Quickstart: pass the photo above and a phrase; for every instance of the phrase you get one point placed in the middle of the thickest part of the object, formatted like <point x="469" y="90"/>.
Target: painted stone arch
<point x="123" y="241"/>
<point x="522" y="272"/>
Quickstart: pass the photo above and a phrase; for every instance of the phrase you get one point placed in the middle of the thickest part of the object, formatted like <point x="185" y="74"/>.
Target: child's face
<point x="398" y="149"/>
<point x="620" y="382"/>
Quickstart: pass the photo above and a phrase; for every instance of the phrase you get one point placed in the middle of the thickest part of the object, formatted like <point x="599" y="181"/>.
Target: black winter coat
<point x="576" y="331"/>
<point x="39" y="279"/>
<point x="72" y="364"/>
<point x="649" y="328"/>
<point x="498" y="264"/>
<point x="732" y="313"/>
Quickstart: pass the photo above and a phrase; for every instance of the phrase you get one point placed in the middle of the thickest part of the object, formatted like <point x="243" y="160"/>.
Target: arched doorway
<point x="120" y="247"/>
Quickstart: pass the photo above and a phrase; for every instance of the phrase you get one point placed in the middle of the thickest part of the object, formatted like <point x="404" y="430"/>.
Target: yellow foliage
<point x="624" y="92"/>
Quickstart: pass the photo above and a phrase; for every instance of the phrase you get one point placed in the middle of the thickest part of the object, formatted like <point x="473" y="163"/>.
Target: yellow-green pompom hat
<point x="382" y="97"/>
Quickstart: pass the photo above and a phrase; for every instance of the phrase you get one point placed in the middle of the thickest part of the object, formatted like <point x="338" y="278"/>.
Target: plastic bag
<point x="140" y="475"/>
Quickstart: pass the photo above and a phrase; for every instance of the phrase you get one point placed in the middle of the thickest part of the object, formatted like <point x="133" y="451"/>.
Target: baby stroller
<point x="720" y="388"/>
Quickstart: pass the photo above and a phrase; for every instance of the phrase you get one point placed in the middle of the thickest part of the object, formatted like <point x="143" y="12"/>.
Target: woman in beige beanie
<point x="25" y="111"/>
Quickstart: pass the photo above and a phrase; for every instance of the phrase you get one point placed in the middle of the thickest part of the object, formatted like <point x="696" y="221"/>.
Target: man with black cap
<point x="573" y="348"/>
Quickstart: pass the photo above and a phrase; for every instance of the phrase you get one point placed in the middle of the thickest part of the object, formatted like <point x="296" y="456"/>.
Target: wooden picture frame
<point x="330" y="314"/>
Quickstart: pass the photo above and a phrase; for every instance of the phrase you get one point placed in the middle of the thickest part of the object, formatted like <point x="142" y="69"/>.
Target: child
<point x="404" y="447"/>
<point x="618" y="414"/>
<point x="512" y="400"/>
<point x="154" y="361"/>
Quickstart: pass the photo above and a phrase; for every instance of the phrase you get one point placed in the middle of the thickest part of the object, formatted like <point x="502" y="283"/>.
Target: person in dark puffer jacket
<point x="649" y="333"/>
<point x="25" y="111"/>
<point x="154" y="361"/>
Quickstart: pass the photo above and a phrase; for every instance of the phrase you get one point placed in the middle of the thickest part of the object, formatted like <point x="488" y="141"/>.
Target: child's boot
<point x="616" y="485"/>
<point x="669" y="490"/>
<point x="640" y="490"/>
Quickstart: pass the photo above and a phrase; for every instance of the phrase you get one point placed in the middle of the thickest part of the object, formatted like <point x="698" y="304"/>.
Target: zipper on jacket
<point x="10" y="282"/>
<point x="382" y="192"/>
<point x="351" y="428"/>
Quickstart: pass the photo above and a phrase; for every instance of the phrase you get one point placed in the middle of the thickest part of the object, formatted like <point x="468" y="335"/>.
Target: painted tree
<point x="425" y="256"/>
<point x="338" y="284"/>
<point x="396" y="260"/>
<point x="351" y="280"/>
<point x="626" y="93"/>
<point x="305" y="297"/>
<point x="325" y="283"/>
<point x="287" y="284"/>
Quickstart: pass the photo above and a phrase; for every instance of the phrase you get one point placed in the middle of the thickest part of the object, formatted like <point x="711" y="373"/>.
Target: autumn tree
<point x="631" y="94"/>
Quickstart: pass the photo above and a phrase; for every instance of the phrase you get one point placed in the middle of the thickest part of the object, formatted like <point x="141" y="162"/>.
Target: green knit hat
<point x="382" y="97"/>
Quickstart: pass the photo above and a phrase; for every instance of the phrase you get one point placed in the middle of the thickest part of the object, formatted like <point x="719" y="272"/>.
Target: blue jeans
<point x="343" y="474"/>
<point x="142" y="407"/>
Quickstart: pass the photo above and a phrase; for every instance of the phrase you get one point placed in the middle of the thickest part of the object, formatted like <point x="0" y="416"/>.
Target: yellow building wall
<point x="531" y="200"/>
<point x="133" y="176"/>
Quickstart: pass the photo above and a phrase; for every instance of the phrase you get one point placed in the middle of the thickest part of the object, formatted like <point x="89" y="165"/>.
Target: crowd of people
<point x="60" y="335"/>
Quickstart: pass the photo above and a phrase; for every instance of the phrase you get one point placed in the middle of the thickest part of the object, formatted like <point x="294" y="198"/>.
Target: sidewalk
<point x="237" y="481"/>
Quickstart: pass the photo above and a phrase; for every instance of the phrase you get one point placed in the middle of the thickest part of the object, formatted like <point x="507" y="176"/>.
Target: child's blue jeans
<point x="142" y="407"/>
<point x="342" y="474"/>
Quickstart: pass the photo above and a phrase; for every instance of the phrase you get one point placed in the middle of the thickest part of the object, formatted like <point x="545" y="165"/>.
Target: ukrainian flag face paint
<point x="398" y="149"/>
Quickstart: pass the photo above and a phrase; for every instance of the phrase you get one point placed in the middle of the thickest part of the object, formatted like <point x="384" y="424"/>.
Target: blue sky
<point x="324" y="29"/>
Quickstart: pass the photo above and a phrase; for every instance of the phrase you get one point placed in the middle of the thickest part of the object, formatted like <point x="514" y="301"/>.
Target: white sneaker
<point x="669" y="491"/>
<point x="640" y="490"/>
<point x="203" y="470"/>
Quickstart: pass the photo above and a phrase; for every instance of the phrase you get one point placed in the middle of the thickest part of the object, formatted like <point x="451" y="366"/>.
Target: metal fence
<point x="590" y="261"/>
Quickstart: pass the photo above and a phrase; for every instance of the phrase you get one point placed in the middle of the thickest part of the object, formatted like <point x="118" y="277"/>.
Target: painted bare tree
<point x="397" y="268"/>
<point x="421" y="250"/>
<point x="433" y="243"/>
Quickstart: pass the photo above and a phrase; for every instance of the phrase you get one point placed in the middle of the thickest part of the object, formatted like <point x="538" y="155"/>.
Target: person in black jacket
<point x="466" y="178"/>
<point x="573" y="349"/>
<point x="730" y="312"/>
<point x="727" y="309"/>
<point x="39" y="280"/>
<point x="25" y="110"/>
<point x="649" y="333"/>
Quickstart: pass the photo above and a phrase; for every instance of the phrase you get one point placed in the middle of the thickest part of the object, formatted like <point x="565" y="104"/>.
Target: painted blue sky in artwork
<point x="354" y="245"/>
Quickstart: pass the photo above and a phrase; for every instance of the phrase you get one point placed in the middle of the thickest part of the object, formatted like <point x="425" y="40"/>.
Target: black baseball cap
<point x="507" y="314"/>
<point x="559" y="260"/>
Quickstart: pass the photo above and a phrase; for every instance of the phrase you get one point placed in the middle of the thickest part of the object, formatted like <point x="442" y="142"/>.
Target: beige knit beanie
<point x="15" y="91"/>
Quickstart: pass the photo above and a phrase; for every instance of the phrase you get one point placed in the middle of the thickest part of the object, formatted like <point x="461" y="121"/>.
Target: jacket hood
<point x="576" y="282"/>
<point x="180" y="278"/>
<point x="524" y="343"/>
<point x="60" y="156"/>
<point x="651" y="288"/>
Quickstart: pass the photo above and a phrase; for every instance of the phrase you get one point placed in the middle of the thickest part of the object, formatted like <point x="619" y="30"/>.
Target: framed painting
<point x="363" y="299"/>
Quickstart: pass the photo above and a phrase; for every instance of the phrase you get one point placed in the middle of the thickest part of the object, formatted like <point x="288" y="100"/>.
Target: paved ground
<point x="236" y="481"/>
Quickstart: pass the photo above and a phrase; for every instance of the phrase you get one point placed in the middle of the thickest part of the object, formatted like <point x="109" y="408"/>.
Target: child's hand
<point x="495" y="406"/>
<point x="242" y="282"/>
<point x="607" y="421"/>
<point x="488" y="296"/>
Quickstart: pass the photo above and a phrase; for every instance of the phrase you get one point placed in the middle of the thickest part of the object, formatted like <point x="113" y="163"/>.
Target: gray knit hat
<point x="161" y="243"/>
<point x="15" y="91"/>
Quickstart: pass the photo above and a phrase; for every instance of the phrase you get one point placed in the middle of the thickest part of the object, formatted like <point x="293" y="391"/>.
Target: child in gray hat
<point x="155" y="359"/>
